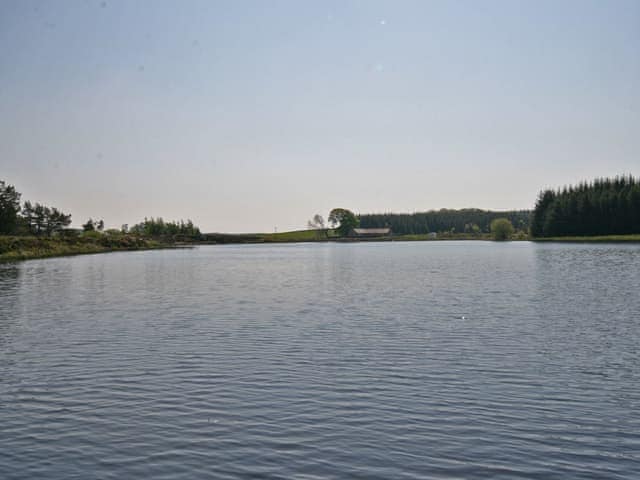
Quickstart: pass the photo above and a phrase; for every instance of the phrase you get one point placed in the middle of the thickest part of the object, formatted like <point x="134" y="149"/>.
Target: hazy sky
<point x="250" y="115"/>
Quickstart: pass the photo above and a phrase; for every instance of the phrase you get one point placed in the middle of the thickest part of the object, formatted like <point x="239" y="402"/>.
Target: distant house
<point x="369" y="232"/>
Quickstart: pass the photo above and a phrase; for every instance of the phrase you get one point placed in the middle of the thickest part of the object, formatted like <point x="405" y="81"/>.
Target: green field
<point x="299" y="236"/>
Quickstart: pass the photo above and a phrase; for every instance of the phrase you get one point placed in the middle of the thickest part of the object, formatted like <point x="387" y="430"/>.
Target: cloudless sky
<point x="250" y="115"/>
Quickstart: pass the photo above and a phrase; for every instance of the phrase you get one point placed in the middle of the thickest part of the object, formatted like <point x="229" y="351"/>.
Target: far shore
<point x="27" y="248"/>
<point x="299" y="236"/>
<point x="634" y="238"/>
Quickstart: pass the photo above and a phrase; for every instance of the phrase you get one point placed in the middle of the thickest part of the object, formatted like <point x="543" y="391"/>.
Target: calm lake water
<point x="371" y="360"/>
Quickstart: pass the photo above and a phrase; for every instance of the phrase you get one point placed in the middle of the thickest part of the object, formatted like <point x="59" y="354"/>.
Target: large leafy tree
<point x="343" y="220"/>
<point x="9" y="208"/>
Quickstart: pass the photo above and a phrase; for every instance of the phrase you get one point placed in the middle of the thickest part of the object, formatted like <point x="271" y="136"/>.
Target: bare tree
<point x="316" y="223"/>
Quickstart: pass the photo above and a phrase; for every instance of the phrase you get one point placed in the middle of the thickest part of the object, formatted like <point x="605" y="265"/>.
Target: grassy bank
<point x="14" y="248"/>
<point x="24" y="248"/>
<point x="299" y="236"/>
<point x="595" y="239"/>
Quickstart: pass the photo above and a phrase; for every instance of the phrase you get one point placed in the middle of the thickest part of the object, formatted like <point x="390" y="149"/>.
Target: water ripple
<point x="411" y="360"/>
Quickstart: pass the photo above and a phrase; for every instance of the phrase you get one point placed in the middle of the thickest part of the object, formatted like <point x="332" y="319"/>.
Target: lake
<point x="365" y="360"/>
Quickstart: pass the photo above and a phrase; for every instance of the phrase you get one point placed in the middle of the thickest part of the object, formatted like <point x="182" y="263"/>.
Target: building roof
<point x="371" y="231"/>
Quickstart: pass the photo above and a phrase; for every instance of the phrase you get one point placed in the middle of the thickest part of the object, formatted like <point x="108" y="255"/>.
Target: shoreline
<point x="41" y="256"/>
<point x="15" y="249"/>
<point x="630" y="238"/>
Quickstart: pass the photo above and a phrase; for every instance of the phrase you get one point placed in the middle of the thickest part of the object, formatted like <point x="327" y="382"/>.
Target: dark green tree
<point x="539" y="213"/>
<point x="9" y="208"/>
<point x="89" y="226"/>
<point x="56" y="221"/>
<point x="93" y="225"/>
<point x="606" y="206"/>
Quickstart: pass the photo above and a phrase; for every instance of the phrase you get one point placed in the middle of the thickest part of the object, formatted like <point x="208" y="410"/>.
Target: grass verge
<point x="25" y="248"/>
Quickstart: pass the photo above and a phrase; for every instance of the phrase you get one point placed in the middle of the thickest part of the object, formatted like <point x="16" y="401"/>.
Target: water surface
<point x="371" y="360"/>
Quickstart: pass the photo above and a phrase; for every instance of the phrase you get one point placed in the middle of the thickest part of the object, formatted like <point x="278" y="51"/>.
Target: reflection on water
<point x="9" y="275"/>
<point x="9" y="284"/>
<point x="388" y="360"/>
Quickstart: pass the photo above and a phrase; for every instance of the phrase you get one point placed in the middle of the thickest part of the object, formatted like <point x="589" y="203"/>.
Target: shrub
<point x="501" y="229"/>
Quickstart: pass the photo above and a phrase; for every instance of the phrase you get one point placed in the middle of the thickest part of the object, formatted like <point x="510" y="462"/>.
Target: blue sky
<point x="250" y="115"/>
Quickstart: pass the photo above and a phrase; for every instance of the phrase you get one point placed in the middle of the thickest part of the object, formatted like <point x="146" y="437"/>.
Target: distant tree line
<point x="37" y="219"/>
<point x="603" y="207"/>
<point x="156" y="227"/>
<point x="467" y="220"/>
